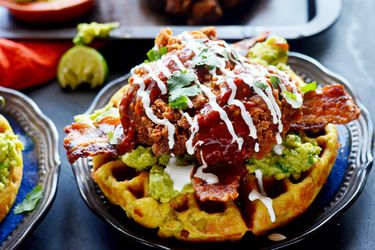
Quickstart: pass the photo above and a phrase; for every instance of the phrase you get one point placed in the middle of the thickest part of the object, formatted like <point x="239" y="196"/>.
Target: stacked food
<point x="206" y="142"/>
<point x="10" y="166"/>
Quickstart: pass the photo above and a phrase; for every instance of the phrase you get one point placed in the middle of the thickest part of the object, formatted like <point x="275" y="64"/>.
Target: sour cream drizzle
<point x="209" y="178"/>
<point x="163" y="69"/>
<point x="180" y="175"/>
<point x="160" y="83"/>
<point x="262" y="196"/>
<point x="254" y="195"/>
<point x="150" y="114"/>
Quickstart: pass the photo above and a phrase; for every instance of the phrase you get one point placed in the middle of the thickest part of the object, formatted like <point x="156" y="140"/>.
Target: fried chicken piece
<point x="213" y="133"/>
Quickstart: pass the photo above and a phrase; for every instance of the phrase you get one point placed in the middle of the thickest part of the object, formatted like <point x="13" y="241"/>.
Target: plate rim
<point x="51" y="160"/>
<point x="365" y="167"/>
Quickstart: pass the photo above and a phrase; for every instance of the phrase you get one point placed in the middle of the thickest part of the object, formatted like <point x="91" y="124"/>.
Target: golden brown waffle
<point x="8" y="195"/>
<point x="182" y="217"/>
<point x="291" y="199"/>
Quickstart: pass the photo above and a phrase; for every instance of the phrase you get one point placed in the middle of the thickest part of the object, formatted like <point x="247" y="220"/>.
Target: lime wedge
<point x="82" y="64"/>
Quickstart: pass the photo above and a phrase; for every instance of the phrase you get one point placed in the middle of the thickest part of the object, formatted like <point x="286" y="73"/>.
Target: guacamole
<point x="87" y="32"/>
<point x="161" y="185"/>
<point x="140" y="158"/>
<point x="296" y="155"/>
<point x="9" y="144"/>
<point x="273" y="51"/>
<point x="99" y="114"/>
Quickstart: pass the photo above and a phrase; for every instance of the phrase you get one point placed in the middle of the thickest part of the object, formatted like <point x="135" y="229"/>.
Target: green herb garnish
<point x="207" y="58"/>
<point x="275" y="81"/>
<point x="261" y="85"/>
<point x="156" y="54"/>
<point x="31" y="200"/>
<point x="309" y="87"/>
<point x="290" y="95"/>
<point x="178" y="90"/>
<point x="114" y="136"/>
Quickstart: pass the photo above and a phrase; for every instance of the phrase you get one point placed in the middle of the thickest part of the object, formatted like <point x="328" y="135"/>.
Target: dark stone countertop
<point x="346" y="49"/>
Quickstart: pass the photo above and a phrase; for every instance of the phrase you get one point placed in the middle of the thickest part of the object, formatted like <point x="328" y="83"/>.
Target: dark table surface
<point x="346" y="49"/>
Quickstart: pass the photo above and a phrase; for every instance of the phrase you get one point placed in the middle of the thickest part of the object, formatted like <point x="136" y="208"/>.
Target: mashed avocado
<point x="98" y="115"/>
<point x="9" y="144"/>
<point x="87" y="32"/>
<point x="161" y="185"/>
<point x="140" y="158"/>
<point x="298" y="154"/>
<point x="273" y="51"/>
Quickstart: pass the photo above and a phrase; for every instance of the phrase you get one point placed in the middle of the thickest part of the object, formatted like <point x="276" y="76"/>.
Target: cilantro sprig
<point x="179" y="88"/>
<point x="261" y="85"/>
<point x="155" y="54"/>
<point x="275" y="81"/>
<point x="31" y="200"/>
<point x="208" y="58"/>
<point x="309" y="87"/>
<point x="290" y="95"/>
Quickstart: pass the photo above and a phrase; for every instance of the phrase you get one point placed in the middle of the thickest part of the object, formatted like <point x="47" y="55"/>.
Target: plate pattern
<point x="344" y="185"/>
<point x="41" y="139"/>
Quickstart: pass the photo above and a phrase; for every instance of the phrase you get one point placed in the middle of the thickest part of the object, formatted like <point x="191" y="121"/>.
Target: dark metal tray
<point x="343" y="186"/>
<point x="292" y="19"/>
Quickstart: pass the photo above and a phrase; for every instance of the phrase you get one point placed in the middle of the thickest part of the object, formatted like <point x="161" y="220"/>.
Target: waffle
<point x="292" y="199"/>
<point x="8" y="195"/>
<point x="188" y="219"/>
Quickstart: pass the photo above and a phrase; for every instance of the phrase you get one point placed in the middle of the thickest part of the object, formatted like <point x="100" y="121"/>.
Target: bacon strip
<point x="330" y="104"/>
<point x="87" y="139"/>
<point x="226" y="189"/>
<point x="243" y="46"/>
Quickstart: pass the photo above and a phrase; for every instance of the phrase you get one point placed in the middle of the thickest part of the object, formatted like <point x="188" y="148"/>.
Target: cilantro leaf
<point x="31" y="200"/>
<point x="178" y="90"/>
<point x="155" y="54"/>
<point x="180" y="102"/>
<point x="261" y="85"/>
<point x="222" y="51"/>
<point x="207" y="58"/>
<point x="309" y="87"/>
<point x="275" y="81"/>
<point x="290" y="95"/>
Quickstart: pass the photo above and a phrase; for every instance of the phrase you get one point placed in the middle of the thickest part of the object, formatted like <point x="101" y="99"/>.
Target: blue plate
<point x="40" y="160"/>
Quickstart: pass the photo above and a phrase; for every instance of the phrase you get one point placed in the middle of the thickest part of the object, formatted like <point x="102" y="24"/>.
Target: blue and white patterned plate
<point x="40" y="159"/>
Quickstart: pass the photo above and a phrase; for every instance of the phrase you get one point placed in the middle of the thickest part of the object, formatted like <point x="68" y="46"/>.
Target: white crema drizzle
<point x="150" y="114"/>
<point x="209" y="178"/>
<point x="223" y="115"/>
<point x="180" y="175"/>
<point x="262" y="196"/>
